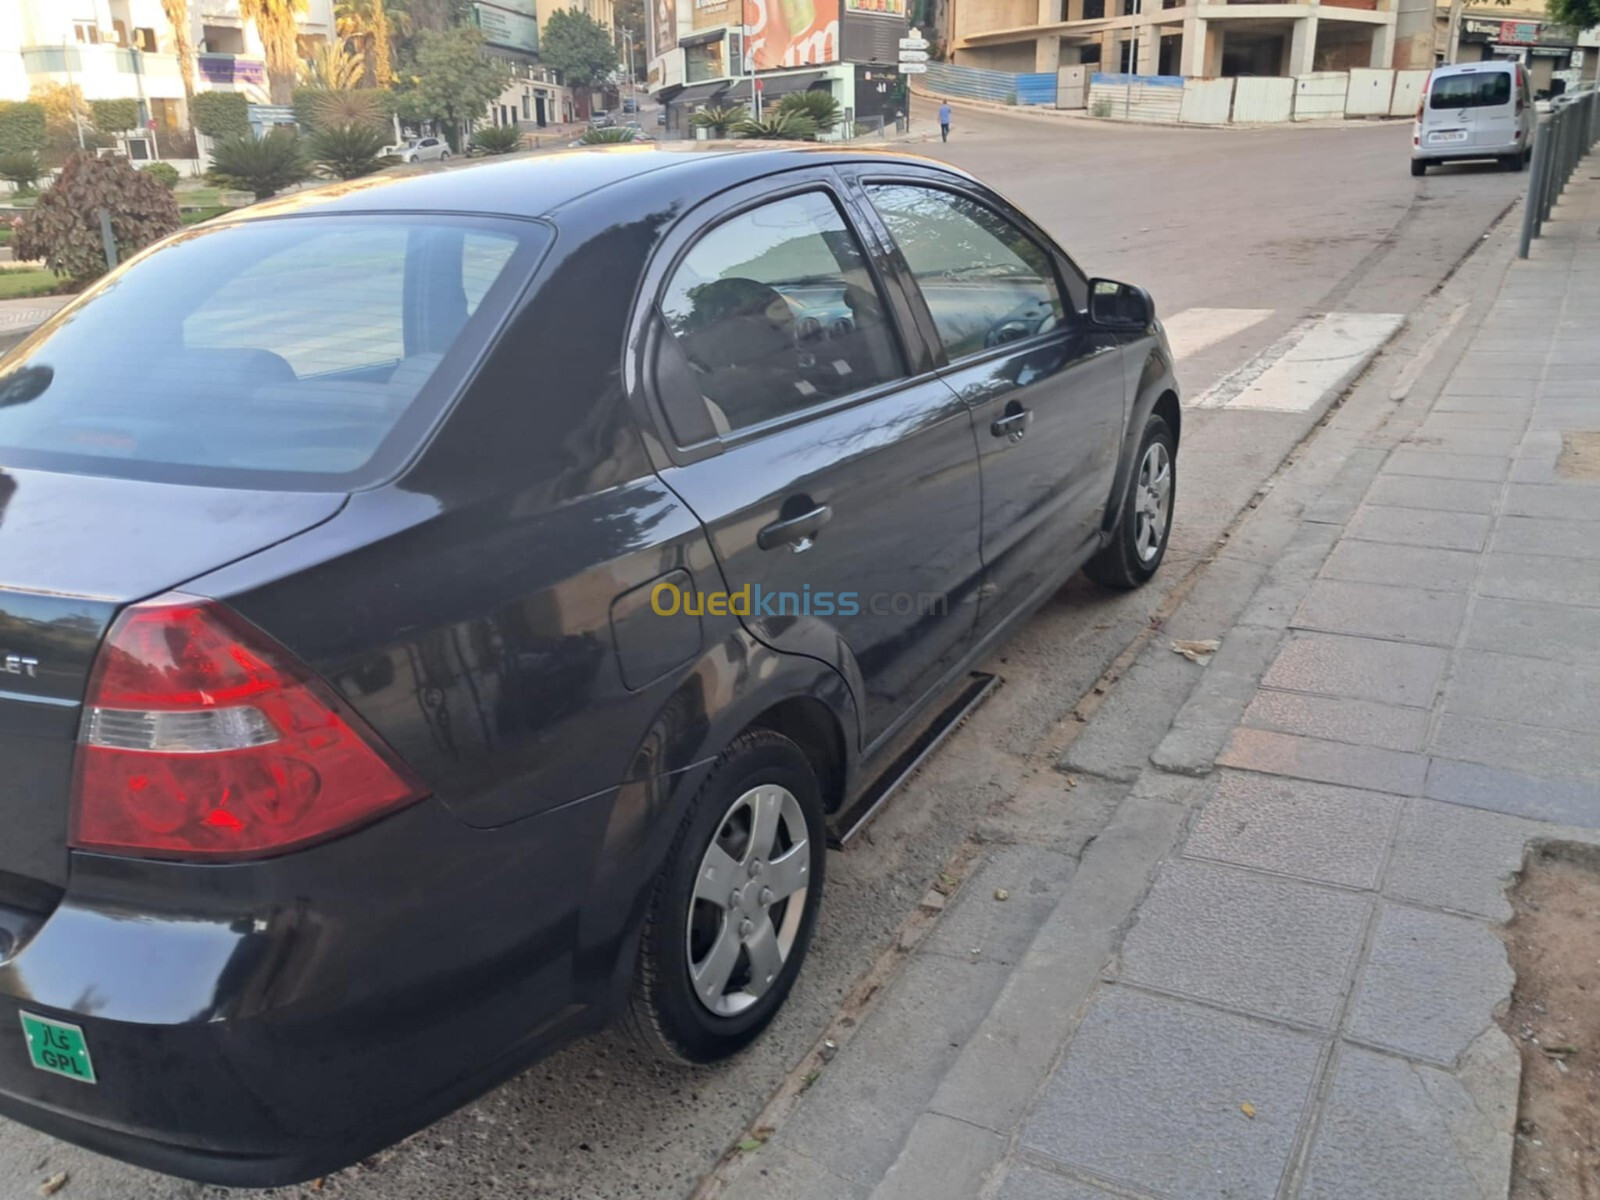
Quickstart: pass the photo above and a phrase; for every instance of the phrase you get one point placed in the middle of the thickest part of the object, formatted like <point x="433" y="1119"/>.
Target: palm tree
<point x="177" y="12"/>
<point x="275" y="23"/>
<point x="331" y="65"/>
<point x="370" y="26"/>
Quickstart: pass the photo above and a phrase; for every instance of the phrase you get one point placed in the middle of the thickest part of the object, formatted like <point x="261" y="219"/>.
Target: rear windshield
<point x="1478" y="90"/>
<point x="277" y="353"/>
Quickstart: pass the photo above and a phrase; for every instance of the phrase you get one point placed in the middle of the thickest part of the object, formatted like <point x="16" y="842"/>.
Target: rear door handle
<point x="1013" y="425"/>
<point x="795" y="532"/>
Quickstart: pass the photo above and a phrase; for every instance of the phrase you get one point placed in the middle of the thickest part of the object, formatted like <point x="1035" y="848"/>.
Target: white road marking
<point x="1192" y="330"/>
<point x="1296" y="371"/>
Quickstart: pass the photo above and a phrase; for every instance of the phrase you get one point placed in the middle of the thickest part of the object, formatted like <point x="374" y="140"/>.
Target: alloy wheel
<point x="1153" y="501"/>
<point x="749" y="900"/>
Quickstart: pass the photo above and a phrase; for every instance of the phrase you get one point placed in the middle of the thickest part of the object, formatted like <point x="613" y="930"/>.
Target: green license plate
<point x="57" y="1047"/>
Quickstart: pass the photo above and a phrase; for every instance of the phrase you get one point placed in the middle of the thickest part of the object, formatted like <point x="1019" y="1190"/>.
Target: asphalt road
<point x="1281" y="224"/>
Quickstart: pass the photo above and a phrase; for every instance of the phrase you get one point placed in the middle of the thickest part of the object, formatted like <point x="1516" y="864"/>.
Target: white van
<point x="1475" y="110"/>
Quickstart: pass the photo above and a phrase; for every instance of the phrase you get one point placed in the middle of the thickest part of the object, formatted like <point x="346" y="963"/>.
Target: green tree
<point x="64" y="227"/>
<point x="262" y="168"/>
<point x="348" y="151"/>
<point x="454" y="81"/>
<point x="163" y="173"/>
<point x="630" y="15"/>
<point x="64" y="113"/>
<point x="115" y="116"/>
<point x="1575" y="14"/>
<point x="22" y="125"/>
<point x="275" y="22"/>
<point x="410" y="19"/>
<point x="497" y="139"/>
<point x="221" y="114"/>
<point x="578" y="46"/>
<point x="21" y="167"/>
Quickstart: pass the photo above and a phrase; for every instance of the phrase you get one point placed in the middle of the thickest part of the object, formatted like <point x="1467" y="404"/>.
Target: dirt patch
<point x="1580" y="454"/>
<point x="1554" y="1018"/>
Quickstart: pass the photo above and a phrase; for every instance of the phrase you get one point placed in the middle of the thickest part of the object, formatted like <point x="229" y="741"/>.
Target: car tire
<point x="699" y="994"/>
<point x="1419" y="166"/>
<point x="444" y="156"/>
<point x="1140" y="541"/>
<point x="1514" y="162"/>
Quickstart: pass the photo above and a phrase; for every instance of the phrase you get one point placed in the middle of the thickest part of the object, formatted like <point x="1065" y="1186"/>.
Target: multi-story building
<point x="715" y="52"/>
<point x="1173" y="37"/>
<point x="127" y="49"/>
<point x="1555" y="56"/>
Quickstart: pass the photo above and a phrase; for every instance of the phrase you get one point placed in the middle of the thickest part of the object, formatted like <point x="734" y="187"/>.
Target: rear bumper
<point x="1467" y="153"/>
<point x="262" y="1023"/>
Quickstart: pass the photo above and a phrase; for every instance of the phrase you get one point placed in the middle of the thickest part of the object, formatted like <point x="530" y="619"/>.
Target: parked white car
<point x="421" y="150"/>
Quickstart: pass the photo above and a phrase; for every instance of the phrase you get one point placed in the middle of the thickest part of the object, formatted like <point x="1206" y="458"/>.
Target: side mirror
<point x="1123" y="306"/>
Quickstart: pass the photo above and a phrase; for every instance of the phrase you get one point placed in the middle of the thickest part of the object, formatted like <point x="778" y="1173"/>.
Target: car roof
<point x="540" y="185"/>
<point x="1488" y="64"/>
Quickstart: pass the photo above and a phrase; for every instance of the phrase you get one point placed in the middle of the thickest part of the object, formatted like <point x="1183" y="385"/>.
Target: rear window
<point x="278" y="353"/>
<point x="1484" y="89"/>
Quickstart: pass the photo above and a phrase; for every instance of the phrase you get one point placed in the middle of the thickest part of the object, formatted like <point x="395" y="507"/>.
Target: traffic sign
<point x="913" y="68"/>
<point x="913" y="56"/>
<point x="913" y="43"/>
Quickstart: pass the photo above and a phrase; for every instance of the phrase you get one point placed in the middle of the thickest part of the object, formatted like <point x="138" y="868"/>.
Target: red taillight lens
<point x="202" y="738"/>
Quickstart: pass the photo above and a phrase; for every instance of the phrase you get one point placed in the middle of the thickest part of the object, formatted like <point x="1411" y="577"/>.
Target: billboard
<point x="792" y="33"/>
<point x="882" y="8"/>
<point x="664" y="24"/>
<point x="508" y="23"/>
<point x="711" y="14"/>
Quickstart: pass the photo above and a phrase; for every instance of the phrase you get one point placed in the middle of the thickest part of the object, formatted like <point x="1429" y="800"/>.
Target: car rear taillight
<point x="203" y="738"/>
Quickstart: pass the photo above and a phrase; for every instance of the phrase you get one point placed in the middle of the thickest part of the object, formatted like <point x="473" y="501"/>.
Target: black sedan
<point x="440" y="615"/>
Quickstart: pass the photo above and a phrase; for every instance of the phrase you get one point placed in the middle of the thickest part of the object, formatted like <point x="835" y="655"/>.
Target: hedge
<point x="115" y="116"/>
<point x="221" y="114"/>
<point x="21" y="125"/>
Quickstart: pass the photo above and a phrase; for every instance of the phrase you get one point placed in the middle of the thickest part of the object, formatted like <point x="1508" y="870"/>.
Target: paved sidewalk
<point x="1302" y="1003"/>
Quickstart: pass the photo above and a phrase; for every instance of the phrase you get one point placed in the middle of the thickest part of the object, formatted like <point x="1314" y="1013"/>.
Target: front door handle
<point x="1014" y="424"/>
<point x="795" y="532"/>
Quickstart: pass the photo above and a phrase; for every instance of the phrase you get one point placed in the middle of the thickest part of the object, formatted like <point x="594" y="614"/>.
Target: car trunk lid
<point x="73" y="550"/>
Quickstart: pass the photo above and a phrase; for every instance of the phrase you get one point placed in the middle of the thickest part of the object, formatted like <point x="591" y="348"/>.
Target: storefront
<point x="1554" y="61"/>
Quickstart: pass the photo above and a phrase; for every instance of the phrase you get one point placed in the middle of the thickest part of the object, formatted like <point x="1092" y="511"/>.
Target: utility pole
<point x="72" y="90"/>
<point x="749" y="63"/>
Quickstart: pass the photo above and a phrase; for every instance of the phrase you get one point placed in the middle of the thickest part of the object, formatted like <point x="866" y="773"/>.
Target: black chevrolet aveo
<point x="440" y="615"/>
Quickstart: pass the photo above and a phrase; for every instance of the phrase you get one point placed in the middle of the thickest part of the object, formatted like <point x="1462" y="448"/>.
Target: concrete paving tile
<point x="1502" y="440"/>
<point x="1444" y="465"/>
<point x="1552" y="753"/>
<point x="1507" y="391"/>
<point x="1430" y="985"/>
<point x="1501" y="366"/>
<point x="1024" y="1182"/>
<point x="1452" y="422"/>
<point x="1364" y="767"/>
<point x="1572" y="538"/>
<point x="1561" y="632"/>
<point x="942" y="1157"/>
<point x="1312" y="830"/>
<point x="785" y="1174"/>
<point x="1393" y="1130"/>
<point x="1273" y="947"/>
<point x="1416" y="491"/>
<point x="1137" y="713"/>
<point x="1503" y="790"/>
<point x="1449" y="856"/>
<point x="1149" y="1095"/>
<point x="1336" y="719"/>
<point x="1033" y="878"/>
<point x="1540" y="577"/>
<point x="894" y="1066"/>
<point x="1577" y="501"/>
<point x="1561" y="695"/>
<point x="1419" y="527"/>
<point x="1361" y="668"/>
<point x="1416" y="566"/>
<point x="1404" y="614"/>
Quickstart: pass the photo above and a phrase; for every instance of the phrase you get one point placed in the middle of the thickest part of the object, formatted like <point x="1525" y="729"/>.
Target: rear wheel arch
<point x="817" y="730"/>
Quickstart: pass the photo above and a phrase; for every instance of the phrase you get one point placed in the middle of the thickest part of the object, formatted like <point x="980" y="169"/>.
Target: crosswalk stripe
<point x="1297" y="370"/>
<point x="1192" y="330"/>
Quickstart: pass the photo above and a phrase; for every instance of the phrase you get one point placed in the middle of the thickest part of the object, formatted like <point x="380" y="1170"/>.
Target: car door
<point x="1047" y="391"/>
<point x="833" y="469"/>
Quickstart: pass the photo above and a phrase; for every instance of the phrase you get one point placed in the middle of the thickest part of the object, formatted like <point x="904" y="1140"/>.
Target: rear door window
<point x="277" y="353"/>
<point x="1487" y="89"/>
<point x="775" y="311"/>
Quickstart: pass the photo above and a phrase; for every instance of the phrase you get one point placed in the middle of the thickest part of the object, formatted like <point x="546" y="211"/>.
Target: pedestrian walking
<point x="944" y="122"/>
